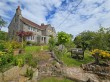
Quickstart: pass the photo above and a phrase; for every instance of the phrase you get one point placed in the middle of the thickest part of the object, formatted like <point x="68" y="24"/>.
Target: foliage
<point x="63" y="38"/>
<point x="22" y="59"/>
<point x="94" y="40"/>
<point x="84" y="39"/>
<point x="19" y="62"/>
<point x="2" y="45"/>
<point x="3" y="35"/>
<point x="29" y="73"/>
<point x="2" y="23"/>
<point x="70" y="45"/>
<point x="69" y="61"/>
<point x="35" y="49"/>
<point x="30" y="43"/>
<point x="5" y="58"/>
<point x="23" y="35"/>
<point x="51" y="43"/>
<point x="101" y="53"/>
<point x="10" y="45"/>
<point x="2" y="53"/>
<point x="33" y="62"/>
<point x="55" y="79"/>
<point x="101" y="57"/>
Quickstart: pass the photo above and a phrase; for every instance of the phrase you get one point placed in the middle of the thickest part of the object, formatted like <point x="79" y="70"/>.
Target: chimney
<point x="42" y="24"/>
<point x="18" y="11"/>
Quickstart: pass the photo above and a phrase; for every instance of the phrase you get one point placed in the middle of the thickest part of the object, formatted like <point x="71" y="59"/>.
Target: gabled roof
<point x="44" y="26"/>
<point x="30" y="23"/>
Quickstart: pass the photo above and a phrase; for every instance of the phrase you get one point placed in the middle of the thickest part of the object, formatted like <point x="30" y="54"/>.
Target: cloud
<point x="61" y="14"/>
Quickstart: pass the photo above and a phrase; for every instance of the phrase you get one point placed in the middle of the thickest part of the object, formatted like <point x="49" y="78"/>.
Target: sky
<point x="71" y="16"/>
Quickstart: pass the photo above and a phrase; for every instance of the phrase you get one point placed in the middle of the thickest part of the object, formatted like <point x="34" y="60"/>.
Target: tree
<point x="52" y="43"/>
<point x="23" y="34"/>
<point x="3" y="35"/>
<point x="100" y="55"/>
<point x="64" y="38"/>
<point x="94" y="40"/>
<point x="84" y="39"/>
<point x="2" y="23"/>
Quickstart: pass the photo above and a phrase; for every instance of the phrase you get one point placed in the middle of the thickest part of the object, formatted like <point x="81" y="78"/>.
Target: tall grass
<point x="69" y="61"/>
<point x="30" y="49"/>
<point x="55" y="79"/>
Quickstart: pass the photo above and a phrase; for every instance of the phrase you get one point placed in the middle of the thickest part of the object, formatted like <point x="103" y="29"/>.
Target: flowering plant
<point x="101" y="53"/>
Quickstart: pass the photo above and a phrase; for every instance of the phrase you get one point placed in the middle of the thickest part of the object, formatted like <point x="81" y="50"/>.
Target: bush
<point x="22" y="59"/>
<point x="19" y="62"/>
<point x="30" y="43"/>
<point x="30" y="60"/>
<point x="52" y="43"/>
<point x="29" y="73"/>
<point x="11" y="45"/>
<point x="33" y="62"/>
<point x="5" y="58"/>
<point x="1" y="45"/>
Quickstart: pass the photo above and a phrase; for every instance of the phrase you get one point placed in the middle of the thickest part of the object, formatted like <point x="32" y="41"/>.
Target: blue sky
<point x="61" y="14"/>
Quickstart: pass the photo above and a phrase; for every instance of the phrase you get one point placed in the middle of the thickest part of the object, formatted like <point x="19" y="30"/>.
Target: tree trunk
<point x="22" y="41"/>
<point x="96" y="58"/>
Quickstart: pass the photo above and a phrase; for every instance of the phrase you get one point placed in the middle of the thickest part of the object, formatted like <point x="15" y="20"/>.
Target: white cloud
<point x="37" y="10"/>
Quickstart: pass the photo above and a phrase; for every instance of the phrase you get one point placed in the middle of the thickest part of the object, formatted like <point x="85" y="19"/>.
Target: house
<point x="19" y="23"/>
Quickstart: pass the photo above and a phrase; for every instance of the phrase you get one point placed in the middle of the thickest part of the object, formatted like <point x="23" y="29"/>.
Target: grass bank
<point x="55" y="79"/>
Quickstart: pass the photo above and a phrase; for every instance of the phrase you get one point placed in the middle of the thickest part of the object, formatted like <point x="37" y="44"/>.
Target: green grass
<point x="66" y="58"/>
<point x="38" y="52"/>
<point x="30" y="49"/>
<point x="54" y="79"/>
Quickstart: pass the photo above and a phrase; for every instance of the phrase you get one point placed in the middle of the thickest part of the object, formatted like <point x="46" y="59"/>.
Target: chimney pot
<point x="42" y="24"/>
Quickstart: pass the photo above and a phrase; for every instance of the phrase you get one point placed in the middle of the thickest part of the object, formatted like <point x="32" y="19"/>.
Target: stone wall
<point x="17" y="74"/>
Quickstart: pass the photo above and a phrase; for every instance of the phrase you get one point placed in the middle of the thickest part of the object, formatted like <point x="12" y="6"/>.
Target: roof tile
<point x="28" y="22"/>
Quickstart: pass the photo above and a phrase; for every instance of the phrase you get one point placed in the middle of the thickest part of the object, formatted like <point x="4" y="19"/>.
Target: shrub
<point x="33" y="62"/>
<point x="11" y="45"/>
<point x="2" y="53"/>
<point x="29" y="73"/>
<point x="31" y="43"/>
<point x="15" y="44"/>
<point x="101" y="53"/>
<point x="1" y="45"/>
<point x="27" y="57"/>
<point x="30" y="60"/>
<point x="20" y="62"/>
<point x="22" y="59"/>
<point x="52" y="43"/>
<point x="5" y="58"/>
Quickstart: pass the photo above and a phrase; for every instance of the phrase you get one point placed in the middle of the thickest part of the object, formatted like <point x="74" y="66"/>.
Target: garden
<point x="89" y="51"/>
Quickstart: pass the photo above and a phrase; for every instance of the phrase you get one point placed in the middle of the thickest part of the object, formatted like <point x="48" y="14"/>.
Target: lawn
<point x="31" y="49"/>
<point x="66" y="58"/>
<point x="54" y="79"/>
<point x="38" y="52"/>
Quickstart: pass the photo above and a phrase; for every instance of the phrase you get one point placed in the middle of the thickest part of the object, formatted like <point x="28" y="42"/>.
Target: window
<point x="42" y="38"/>
<point x="29" y="27"/>
<point x="33" y="37"/>
<point x="33" y="29"/>
<point x="28" y="37"/>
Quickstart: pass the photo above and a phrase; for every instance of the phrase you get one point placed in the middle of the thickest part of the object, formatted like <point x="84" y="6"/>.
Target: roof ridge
<point x="29" y="22"/>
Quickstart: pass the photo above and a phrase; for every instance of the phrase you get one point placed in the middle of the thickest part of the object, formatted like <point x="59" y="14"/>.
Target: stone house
<point x="19" y="23"/>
